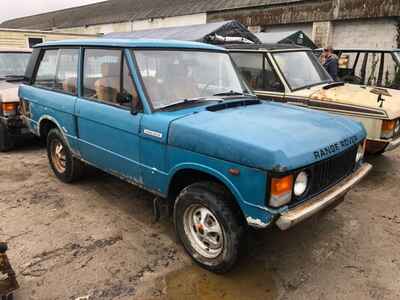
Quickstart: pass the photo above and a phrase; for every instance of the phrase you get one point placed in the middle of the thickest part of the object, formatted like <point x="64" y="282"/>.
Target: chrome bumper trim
<point x="325" y="199"/>
<point x="393" y="145"/>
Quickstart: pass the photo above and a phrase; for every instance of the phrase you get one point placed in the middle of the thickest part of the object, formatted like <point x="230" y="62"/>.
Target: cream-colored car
<point x="293" y="75"/>
<point x="13" y="63"/>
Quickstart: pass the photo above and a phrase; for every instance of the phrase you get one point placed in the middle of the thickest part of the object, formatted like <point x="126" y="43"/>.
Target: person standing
<point x="331" y="62"/>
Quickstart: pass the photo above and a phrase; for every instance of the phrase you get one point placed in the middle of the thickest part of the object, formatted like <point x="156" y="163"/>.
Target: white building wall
<point x="141" y="24"/>
<point x="307" y="28"/>
<point x="373" y="33"/>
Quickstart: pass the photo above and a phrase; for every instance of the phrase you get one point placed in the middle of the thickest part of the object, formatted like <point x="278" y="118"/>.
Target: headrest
<point x="110" y="70"/>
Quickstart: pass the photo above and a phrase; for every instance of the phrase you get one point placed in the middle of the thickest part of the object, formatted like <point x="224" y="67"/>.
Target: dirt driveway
<point x="96" y="238"/>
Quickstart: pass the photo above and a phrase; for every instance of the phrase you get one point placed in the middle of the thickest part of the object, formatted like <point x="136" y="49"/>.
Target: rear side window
<point x="102" y="75"/>
<point x="67" y="71"/>
<point x="58" y="70"/>
<point x="46" y="73"/>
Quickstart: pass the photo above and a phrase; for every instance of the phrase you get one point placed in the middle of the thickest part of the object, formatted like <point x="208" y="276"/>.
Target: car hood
<point x="269" y="136"/>
<point x="358" y="96"/>
<point x="8" y="91"/>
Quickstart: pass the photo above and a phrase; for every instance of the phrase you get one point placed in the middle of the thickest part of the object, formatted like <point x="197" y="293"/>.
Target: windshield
<point x="175" y="76"/>
<point x="13" y="64"/>
<point x="301" y="69"/>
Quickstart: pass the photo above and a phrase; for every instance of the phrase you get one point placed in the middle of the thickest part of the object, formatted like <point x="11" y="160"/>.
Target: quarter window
<point x="102" y="75"/>
<point x="46" y="73"/>
<point x="129" y="94"/>
<point x="58" y="70"/>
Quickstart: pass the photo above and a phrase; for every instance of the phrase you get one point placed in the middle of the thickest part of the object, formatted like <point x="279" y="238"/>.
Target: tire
<point x="215" y="202"/>
<point x="6" y="143"/>
<point x="66" y="167"/>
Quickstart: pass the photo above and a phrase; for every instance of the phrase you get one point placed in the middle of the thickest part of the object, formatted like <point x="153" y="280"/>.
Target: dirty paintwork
<point x="150" y="148"/>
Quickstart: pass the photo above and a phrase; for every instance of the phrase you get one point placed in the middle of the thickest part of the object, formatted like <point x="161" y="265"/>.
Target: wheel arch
<point x="187" y="174"/>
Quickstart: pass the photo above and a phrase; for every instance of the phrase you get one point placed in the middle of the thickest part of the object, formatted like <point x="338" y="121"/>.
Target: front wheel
<point x="66" y="167"/>
<point x="209" y="226"/>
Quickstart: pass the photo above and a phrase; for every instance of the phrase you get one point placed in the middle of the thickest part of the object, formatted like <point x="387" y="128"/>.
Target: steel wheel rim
<point x="58" y="156"/>
<point x="204" y="231"/>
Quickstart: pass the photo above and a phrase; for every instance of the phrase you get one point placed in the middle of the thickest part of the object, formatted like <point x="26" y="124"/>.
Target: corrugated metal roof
<point x="116" y="11"/>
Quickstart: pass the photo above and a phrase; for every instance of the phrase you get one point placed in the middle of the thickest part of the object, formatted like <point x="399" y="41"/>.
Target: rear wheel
<point x="6" y="142"/>
<point x="66" y="167"/>
<point x="209" y="226"/>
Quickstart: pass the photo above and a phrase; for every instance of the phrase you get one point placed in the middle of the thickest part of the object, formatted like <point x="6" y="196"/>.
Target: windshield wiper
<point x="12" y="78"/>
<point x="333" y="85"/>
<point x="230" y="93"/>
<point x="184" y="101"/>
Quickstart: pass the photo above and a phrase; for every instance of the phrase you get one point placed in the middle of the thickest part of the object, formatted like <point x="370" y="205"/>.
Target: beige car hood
<point x="8" y="91"/>
<point x="356" y="95"/>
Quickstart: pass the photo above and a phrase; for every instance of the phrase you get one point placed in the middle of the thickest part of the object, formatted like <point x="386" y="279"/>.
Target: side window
<point x="102" y="75"/>
<point x="251" y="67"/>
<point x="271" y="80"/>
<point x="257" y="71"/>
<point x="46" y="72"/>
<point x="129" y="93"/>
<point x="67" y="71"/>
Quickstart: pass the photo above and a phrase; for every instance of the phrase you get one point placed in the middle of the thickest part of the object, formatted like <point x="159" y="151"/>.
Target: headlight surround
<point x="300" y="184"/>
<point x="360" y="152"/>
<point x="281" y="191"/>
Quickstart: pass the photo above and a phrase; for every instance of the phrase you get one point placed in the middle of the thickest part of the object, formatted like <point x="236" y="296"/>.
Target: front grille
<point x="327" y="173"/>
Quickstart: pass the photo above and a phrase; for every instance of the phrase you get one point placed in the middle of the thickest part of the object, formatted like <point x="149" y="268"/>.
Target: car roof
<point x="15" y="50"/>
<point x="132" y="43"/>
<point x="265" y="47"/>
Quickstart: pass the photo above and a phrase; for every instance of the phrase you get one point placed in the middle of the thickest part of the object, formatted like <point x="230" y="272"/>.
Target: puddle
<point x="248" y="281"/>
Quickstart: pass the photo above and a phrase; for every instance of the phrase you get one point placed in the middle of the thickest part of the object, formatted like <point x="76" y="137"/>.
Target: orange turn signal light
<point x="282" y="185"/>
<point x="9" y="107"/>
<point x="388" y="125"/>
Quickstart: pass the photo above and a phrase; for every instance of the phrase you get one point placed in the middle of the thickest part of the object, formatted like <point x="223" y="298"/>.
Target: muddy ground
<point x="96" y="240"/>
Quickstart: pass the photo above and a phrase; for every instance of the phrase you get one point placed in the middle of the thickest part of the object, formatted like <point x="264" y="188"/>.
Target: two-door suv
<point x="13" y="63"/>
<point x="292" y="74"/>
<point x="176" y="119"/>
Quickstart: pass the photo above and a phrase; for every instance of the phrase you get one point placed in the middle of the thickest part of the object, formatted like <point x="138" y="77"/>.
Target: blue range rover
<point x="176" y="119"/>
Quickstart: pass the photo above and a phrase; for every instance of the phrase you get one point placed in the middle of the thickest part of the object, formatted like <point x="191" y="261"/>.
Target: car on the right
<point x="378" y="67"/>
<point x="294" y="75"/>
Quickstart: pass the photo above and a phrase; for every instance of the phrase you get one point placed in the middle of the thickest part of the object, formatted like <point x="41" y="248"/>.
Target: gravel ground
<point x="96" y="239"/>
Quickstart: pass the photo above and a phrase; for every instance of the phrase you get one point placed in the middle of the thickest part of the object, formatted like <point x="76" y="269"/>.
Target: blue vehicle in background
<point x="176" y="119"/>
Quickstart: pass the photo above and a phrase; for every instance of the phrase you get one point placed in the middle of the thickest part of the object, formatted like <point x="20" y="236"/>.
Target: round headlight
<point x="301" y="183"/>
<point x="360" y="153"/>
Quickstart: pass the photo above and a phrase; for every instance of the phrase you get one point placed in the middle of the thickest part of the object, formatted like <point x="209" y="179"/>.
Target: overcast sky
<point x="10" y="9"/>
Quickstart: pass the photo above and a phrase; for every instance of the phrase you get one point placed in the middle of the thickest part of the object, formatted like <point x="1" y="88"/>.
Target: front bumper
<point x="15" y="126"/>
<point x="323" y="200"/>
<point x="393" y="144"/>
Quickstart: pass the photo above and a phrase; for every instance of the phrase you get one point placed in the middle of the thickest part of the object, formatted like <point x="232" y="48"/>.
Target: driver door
<point x="108" y="131"/>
